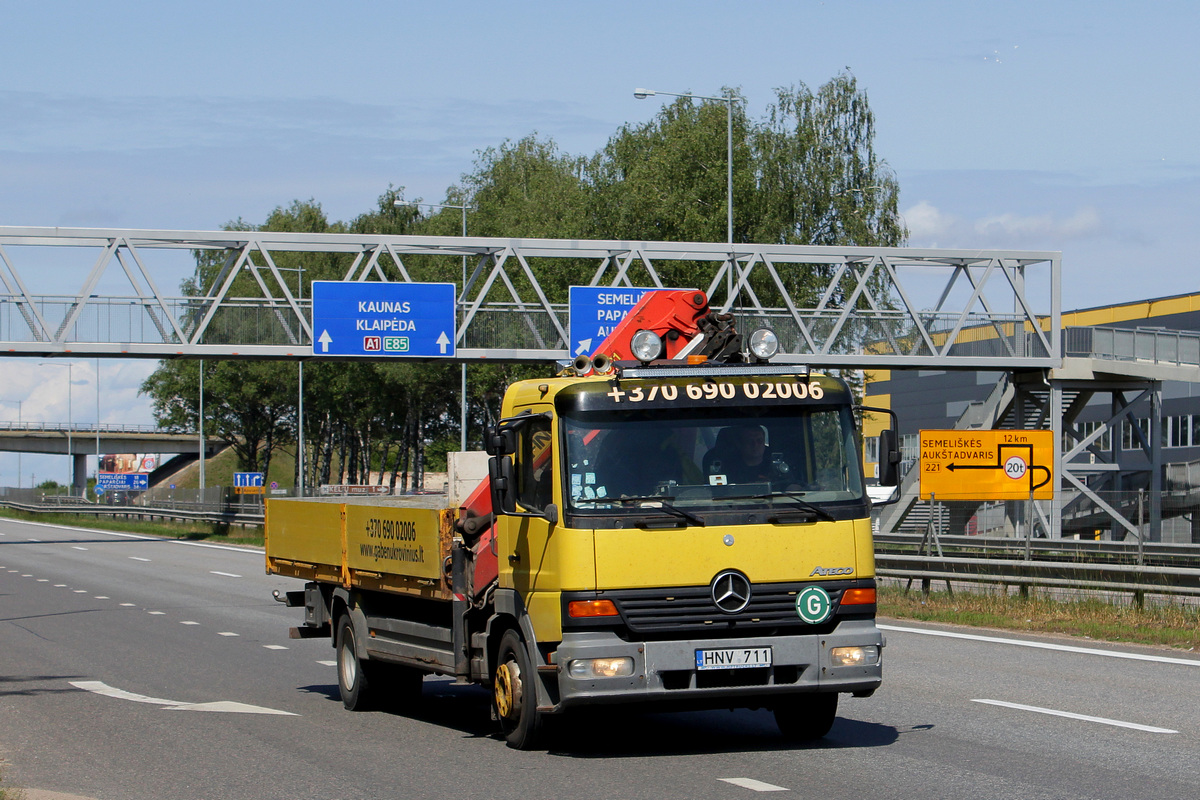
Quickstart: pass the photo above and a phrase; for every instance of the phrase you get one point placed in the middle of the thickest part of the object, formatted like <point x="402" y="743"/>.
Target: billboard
<point x="129" y="463"/>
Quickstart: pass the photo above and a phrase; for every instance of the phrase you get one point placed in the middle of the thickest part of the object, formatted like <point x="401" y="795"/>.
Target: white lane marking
<point x="1046" y="646"/>
<point x="35" y="540"/>
<point x="227" y="633"/>
<point x="327" y="663"/>
<point x="79" y="591"/>
<point x="43" y="580"/>
<point x="274" y="647"/>
<point x="77" y="547"/>
<point x="188" y="622"/>
<point x="174" y="705"/>
<point x="127" y="605"/>
<point x="255" y="551"/>
<point x="26" y="576"/>
<point x="138" y="558"/>
<point x="156" y="613"/>
<point x="1069" y="715"/>
<point x="60" y="586"/>
<point x="753" y="785"/>
<point x="102" y="597"/>
<point x="226" y="574"/>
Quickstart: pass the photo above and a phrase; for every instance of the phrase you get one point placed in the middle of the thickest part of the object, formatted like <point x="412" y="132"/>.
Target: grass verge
<point x="1175" y="626"/>
<point x="195" y="531"/>
<point x="8" y="792"/>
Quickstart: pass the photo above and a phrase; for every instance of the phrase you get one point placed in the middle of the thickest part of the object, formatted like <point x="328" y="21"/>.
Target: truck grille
<point x="667" y="613"/>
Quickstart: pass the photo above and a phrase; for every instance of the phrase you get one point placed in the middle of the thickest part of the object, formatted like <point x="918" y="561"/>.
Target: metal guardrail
<point x="1137" y="568"/>
<point x="1140" y="580"/>
<point x="227" y="516"/>
<point x="88" y="427"/>
<point x="1157" y="553"/>
<point x="1157" y="345"/>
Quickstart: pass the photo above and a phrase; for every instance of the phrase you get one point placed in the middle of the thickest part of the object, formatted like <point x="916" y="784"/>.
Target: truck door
<point x="525" y="541"/>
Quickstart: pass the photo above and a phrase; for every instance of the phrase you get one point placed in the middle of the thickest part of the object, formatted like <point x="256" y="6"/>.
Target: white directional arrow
<point x="174" y="705"/>
<point x="443" y="342"/>
<point x="325" y="339"/>
<point x="585" y="346"/>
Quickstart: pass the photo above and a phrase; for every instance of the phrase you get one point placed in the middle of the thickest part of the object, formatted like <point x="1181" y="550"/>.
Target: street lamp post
<point x="464" y="208"/>
<point x="642" y="94"/>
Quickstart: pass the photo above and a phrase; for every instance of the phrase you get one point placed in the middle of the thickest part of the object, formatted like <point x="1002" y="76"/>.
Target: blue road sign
<point x="245" y="479"/>
<point x="122" y="482"/>
<point x="355" y="318"/>
<point x="595" y="311"/>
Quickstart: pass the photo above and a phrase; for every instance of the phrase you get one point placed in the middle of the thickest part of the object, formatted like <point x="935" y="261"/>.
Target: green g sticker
<point x="813" y="605"/>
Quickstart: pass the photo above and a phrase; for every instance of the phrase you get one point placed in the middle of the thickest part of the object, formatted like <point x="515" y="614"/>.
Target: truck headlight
<point x="863" y="656"/>
<point x="600" y="667"/>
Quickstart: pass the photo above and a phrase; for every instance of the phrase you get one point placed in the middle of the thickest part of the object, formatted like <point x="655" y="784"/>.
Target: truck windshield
<point x="714" y="460"/>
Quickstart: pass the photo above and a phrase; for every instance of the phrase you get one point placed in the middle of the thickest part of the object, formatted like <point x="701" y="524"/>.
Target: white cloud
<point x="929" y="226"/>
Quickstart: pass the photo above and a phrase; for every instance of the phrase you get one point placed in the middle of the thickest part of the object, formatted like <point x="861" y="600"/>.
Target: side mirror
<point x="500" y="476"/>
<point x="889" y="458"/>
<point x="500" y="441"/>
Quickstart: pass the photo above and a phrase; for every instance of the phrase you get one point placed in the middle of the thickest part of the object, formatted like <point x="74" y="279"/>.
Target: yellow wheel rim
<point x="504" y="689"/>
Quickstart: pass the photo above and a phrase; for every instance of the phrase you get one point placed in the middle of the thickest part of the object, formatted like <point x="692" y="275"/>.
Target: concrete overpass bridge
<point x="82" y="439"/>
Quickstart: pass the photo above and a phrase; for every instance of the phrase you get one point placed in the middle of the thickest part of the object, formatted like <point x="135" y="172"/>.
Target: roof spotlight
<point x="764" y="344"/>
<point x="646" y="346"/>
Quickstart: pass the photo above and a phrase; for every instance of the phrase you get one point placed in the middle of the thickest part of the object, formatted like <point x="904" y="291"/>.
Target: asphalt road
<point x="133" y="668"/>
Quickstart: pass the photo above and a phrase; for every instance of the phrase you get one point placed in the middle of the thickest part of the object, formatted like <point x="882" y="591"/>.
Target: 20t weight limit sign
<point x="986" y="464"/>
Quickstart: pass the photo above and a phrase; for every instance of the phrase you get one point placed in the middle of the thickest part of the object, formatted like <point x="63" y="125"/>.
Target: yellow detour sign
<point x="987" y="465"/>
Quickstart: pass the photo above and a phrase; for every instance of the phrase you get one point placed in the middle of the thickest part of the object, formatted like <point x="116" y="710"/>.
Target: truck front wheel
<point x="806" y="717"/>
<point x="352" y="677"/>
<point x="514" y="693"/>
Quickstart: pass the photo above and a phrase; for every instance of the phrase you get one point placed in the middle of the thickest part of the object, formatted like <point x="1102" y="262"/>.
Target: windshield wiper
<point x="797" y="496"/>
<point x="660" y="503"/>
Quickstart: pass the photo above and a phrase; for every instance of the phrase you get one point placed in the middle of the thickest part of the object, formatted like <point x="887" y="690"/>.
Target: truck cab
<point x="690" y="537"/>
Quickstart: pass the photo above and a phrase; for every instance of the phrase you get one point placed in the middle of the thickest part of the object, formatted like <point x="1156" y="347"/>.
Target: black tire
<point x="354" y="680"/>
<point x="514" y="693"/>
<point x="806" y="717"/>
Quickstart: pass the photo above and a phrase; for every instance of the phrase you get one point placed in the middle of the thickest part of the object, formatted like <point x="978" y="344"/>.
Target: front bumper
<point x="665" y="672"/>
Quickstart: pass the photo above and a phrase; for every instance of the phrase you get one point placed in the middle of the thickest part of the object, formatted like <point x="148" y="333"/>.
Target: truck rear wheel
<point x="807" y="717"/>
<point x="353" y="684"/>
<point x="514" y="693"/>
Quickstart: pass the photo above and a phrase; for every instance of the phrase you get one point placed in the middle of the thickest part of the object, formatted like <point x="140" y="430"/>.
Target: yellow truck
<point x="682" y="532"/>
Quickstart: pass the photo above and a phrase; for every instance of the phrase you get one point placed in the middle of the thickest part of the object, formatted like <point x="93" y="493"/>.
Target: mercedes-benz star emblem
<point x="731" y="591"/>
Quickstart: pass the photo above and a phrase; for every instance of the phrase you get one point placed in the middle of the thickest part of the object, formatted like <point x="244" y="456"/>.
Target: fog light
<point x="867" y="656"/>
<point x="601" y="667"/>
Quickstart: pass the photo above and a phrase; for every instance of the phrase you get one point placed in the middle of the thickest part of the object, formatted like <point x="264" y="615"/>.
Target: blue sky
<point x="1029" y="125"/>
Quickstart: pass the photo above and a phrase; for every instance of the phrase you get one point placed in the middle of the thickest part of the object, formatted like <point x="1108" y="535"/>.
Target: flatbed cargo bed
<point x="390" y="544"/>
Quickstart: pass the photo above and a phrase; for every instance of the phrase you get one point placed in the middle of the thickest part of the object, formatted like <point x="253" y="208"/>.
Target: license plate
<point x="733" y="658"/>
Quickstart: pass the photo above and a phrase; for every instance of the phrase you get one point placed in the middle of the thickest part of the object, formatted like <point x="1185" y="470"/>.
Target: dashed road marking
<point x="226" y="574"/>
<point x="327" y="663"/>
<point x="1082" y="717"/>
<point x="753" y="785"/>
<point x="127" y="605"/>
<point x="156" y="613"/>
<point x="274" y="647"/>
<point x="227" y="633"/>
<point x="188" y="622"/>
<point x="79" y="591"/>
<point x="138" y="558"/>
<point x="103" y="597"/>
<point x="77" y="547"/>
